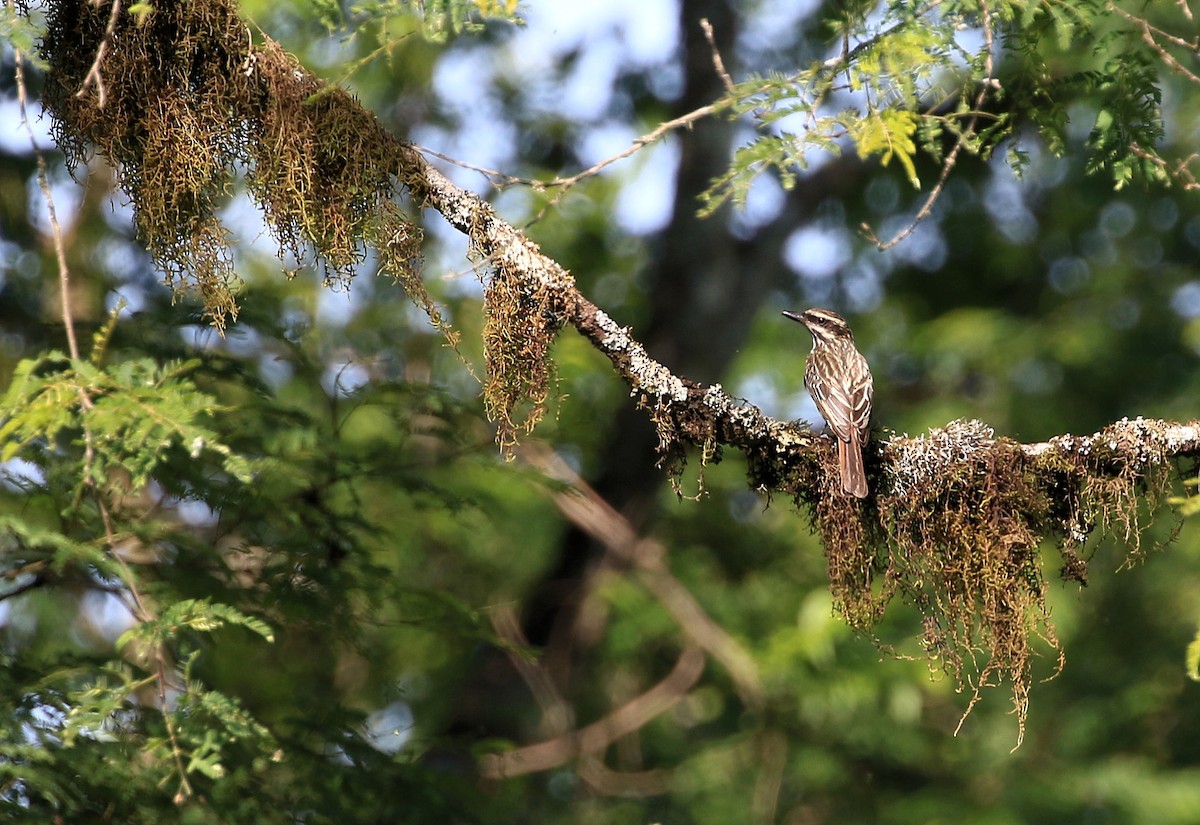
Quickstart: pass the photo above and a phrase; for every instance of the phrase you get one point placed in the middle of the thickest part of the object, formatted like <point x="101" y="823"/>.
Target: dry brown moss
<point x="965" y="552"/>
<point x="189" y="106"/>
<point x="955" y="530"/>
<point x="521" y="320"/>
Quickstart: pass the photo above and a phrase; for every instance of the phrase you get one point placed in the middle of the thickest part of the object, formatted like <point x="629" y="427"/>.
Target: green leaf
<point x="197" y="615"/>
<point x="129" y="416"/>
<point x="24" y="543"/>
<point x="19" y="31"/>
<point x="889" y="134"/>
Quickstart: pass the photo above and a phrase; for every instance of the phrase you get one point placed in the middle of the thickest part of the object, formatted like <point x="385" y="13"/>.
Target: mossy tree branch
<point x="956" y="517"/>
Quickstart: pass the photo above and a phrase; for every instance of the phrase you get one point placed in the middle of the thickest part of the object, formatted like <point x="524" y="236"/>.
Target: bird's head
<point x="824" y="324"/>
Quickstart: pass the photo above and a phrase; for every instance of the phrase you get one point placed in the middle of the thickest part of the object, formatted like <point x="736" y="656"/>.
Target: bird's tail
<point x="850" y="463"/>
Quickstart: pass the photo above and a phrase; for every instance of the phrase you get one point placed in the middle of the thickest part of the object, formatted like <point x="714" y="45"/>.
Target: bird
<point x="839" y="380"/>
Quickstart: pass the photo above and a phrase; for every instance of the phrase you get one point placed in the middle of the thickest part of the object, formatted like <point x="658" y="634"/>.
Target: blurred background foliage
<point x="381" y="536"/>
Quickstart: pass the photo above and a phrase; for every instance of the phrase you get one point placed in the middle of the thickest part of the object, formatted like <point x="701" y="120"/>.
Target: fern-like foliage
<point x="90" y="441"/>
<point x="178" y="578"/>
<point x="911" y="79"/>
<point x="131" y="417"/>
<point x="195" y="615"/>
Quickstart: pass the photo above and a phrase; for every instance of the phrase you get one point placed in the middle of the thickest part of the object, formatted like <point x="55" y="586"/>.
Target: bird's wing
<point x="837" y="407"/>
<point x="859" y="400"/>
<point x="846" y="408"/>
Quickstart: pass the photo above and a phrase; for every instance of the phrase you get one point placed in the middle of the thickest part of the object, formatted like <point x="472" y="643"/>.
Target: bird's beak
<point x="795" y="316"/>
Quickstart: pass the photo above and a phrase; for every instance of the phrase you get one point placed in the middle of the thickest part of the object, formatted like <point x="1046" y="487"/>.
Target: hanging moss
<point x="955" y="529"/>
<point x="189" y="105"/>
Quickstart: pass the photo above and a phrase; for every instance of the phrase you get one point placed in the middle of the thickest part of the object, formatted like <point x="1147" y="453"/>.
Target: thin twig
<point x="646" y="139"/>
<point x="718" y="63"/>
<point x="497" y="179"/>
<point x="141" y="610"/>
<point x="1150" y="35"/>
<point x="94" y="77"/>
<point x="60" y="254"/>
<point x="64" y="279"/>
<point x="1180" y="173"/>
<point x="557" y="717"/>
<point x="564" y="184"/>
<point x="952" y="157"/>
<point x="1174" y="40"/>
